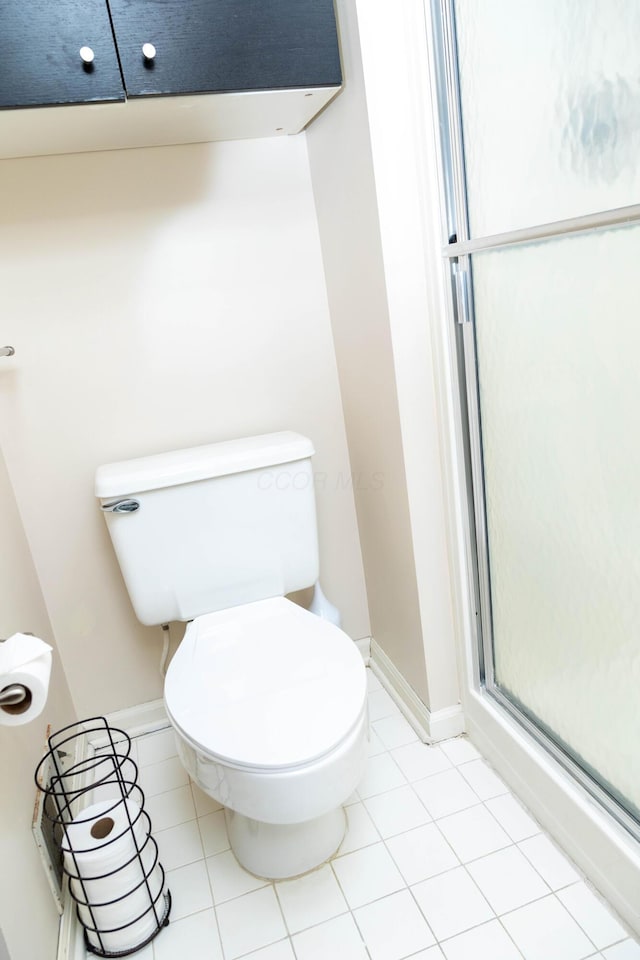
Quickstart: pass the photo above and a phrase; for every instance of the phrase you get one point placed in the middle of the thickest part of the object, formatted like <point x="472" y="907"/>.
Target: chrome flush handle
<point x="121" y="506"/>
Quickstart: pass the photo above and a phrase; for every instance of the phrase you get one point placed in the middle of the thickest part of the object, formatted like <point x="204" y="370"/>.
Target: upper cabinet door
<point x="211" y="46"/>
<point x="40" y="59"/>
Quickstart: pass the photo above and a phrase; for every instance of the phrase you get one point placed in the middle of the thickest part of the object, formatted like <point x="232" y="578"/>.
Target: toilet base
<point x="279" y="851"/>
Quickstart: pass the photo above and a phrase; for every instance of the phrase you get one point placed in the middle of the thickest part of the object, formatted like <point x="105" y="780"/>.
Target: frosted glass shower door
<point x="558" y="360"/>
<point x="540" y="103"/>
<point x="550" y="95"/>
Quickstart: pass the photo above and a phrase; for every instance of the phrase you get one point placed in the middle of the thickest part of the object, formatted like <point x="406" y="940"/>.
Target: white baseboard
<point x="364" y="646"/>
<point x="430" y="727"/>
<point x="145" y="718"/>
<point x="71" y="937"/>
<point x="447" y="723"/>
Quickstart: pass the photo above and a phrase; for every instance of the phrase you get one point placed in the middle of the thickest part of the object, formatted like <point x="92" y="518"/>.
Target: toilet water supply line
<point x="165" y="648"/>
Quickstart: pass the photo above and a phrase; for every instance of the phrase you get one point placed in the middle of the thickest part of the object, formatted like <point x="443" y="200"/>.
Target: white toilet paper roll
<point x="100" y="855"/>
<point x="25" y="660"/>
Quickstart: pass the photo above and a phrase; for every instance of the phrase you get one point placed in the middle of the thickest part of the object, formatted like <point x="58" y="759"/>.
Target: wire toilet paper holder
<point x="71" y="788"/>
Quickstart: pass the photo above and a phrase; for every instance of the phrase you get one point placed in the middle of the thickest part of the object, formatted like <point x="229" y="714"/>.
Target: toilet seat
<point x="265" y="686"/>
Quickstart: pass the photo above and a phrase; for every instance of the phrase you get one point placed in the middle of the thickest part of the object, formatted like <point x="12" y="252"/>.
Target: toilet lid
<point x="267" y="684"/>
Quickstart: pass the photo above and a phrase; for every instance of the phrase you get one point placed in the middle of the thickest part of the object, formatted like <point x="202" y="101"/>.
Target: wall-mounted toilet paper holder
<point x="13" y="695"/>
<point x="16" y="694"/>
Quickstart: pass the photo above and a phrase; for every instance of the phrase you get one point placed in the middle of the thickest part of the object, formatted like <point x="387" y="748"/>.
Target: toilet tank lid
<point x="200" y="463"/>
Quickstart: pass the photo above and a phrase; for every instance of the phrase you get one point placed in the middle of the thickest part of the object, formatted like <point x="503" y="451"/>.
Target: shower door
<point x="540" y="109"/>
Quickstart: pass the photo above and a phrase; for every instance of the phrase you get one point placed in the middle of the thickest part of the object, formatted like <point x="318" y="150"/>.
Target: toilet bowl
<point x="268" y="702"/>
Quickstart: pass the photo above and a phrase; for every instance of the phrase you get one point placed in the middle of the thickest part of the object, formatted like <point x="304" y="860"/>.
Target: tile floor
<point x="440" y="862"/>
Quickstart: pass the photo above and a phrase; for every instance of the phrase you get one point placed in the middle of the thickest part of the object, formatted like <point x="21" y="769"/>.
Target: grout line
<point x="319" y="923"/>
<point x="477" y="927"/>
<point x="511" y="940"/>
<point x="417" y="953"/>
<point x="284" y="919"/>
<point x="252" y="953"/>
<point x="422" y="914"/>
<point x="580" y="875"/>
<point x="357" y="925"/>
<point x="282" y="913"/>
<point x="460" y="932"/>
<point x="215" y="914"/>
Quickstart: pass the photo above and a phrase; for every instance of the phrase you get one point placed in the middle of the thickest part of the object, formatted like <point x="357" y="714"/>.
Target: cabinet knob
<point x="87" y="55"/>
<point x="148" y="51"/>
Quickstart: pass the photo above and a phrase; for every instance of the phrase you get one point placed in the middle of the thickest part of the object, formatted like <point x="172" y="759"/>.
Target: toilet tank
<point x="211" y="527"/>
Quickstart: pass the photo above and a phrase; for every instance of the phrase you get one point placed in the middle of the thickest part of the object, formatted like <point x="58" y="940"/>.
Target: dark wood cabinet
<point x="201" y="46"/>
<point x="204" y="57"/>
<point x="224" y="46"/>
<point x="40" y="62"/>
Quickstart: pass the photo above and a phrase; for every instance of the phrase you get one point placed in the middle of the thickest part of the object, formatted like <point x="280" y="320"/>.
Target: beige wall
<point x="412" y="232"/>
<point x="345" y="194"/>
<point x="370" y="204"/>
<point x="156" y="299"/>
<point x="28" y="917"/>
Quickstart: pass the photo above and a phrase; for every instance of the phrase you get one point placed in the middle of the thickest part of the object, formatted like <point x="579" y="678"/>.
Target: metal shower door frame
<point x="458" y="251"/>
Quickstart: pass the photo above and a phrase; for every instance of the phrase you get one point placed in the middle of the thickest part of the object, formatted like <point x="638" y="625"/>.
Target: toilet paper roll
<point x="126" y="923"/>
<point x="25" y="660"/>
<point x="114" y="876"/>
<point x="101" y="839"/>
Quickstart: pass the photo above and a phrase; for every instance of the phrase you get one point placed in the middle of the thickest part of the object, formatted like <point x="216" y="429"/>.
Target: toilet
<point x="267" y="699"/>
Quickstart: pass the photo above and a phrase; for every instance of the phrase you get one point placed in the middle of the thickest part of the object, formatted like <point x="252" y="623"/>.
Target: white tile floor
<point x="440" y="862"/>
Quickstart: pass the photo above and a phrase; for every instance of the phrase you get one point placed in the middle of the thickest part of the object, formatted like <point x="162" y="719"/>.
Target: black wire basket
<point x="103" y="833"/>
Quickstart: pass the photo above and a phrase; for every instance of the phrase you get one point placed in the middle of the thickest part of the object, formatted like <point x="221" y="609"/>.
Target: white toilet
<point x="268" y="700"/>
